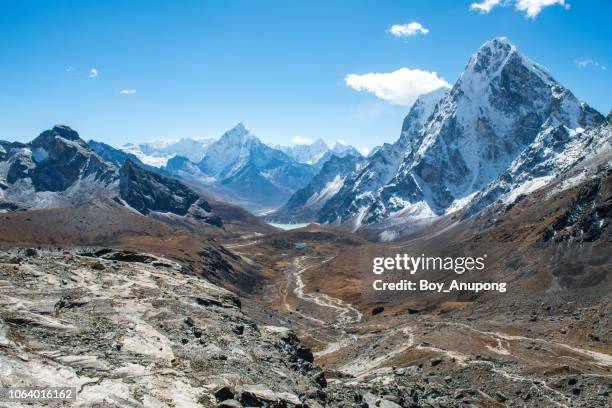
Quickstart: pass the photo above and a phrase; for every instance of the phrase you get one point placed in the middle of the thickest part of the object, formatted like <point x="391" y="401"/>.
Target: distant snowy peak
<point x="241" y="169"/>
<point x="231" y="152"/>
<point x="308" y="153"/>
<point x="157" y="153"/>
<point x="238" y="135"/>
<point x="318" y="152"/>
<point x="340" y="146"/>
<point x="151" y="160"/>
<point x="339" y="149"/>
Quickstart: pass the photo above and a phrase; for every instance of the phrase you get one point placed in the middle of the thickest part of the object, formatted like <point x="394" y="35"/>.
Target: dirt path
<point x="346" y="313"/>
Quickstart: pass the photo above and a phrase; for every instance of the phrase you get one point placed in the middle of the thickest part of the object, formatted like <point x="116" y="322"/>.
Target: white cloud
<point x="70" y="69"/>
<point x="531" y="8"/>
<point x="588" y="62"/>
<point x="302" y="141"/>
<point x="127" y="92"/>
<point x="485" y="6"/>
<point x="407" y="30"/>
<point x="93" y="72"/>
<point x="400" y="87"/>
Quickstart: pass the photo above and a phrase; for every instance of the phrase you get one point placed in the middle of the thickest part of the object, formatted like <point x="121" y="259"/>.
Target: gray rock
<point x="230" y="403"/>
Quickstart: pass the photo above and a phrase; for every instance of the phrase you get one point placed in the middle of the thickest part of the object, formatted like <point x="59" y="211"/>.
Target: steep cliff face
<point x="148" y="192"/>
<point x="304" y="203"/>
<point x="360" y="190"/>
<point x="555" y="154"/>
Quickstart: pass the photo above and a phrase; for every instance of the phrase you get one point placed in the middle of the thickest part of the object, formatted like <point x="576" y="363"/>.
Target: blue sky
<point x="196" y="68"/>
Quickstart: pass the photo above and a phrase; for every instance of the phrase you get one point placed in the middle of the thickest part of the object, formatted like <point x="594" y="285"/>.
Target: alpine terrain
<point x="135" y="277"/>
<point x="505" y="128"/>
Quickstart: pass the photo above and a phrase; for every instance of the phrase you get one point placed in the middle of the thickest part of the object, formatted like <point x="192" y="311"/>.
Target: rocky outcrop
<point x="148" y="192"/>
<point x="132" y="333"/>
<point x="587" y="215"/>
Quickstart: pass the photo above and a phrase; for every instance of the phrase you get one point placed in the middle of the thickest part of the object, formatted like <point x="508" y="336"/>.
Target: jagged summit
<point x="497" y="58"/>
<point x="318" y="142"/>
<point x="238" y="131"/>
<point x="62" y="131"/>
<point x="491" y="55"/>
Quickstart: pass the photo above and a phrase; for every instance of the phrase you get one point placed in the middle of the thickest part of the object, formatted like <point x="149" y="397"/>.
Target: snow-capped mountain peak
<point x="306" y="153"/>
<point x="493" y="112"/>
<point x="238" y="134"/>
<point x="454" y="143"/>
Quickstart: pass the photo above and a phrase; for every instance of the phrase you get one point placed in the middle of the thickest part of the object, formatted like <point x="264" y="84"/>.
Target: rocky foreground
<point x="132" y="330"/>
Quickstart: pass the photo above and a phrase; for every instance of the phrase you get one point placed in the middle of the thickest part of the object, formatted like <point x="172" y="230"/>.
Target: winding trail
<point x="600" y="359"/>
<point x="245" y="244"/>
<point x="347" y="314"/>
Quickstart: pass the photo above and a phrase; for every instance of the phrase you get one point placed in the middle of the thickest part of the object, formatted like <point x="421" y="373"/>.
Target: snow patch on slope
<point x="330" y="189"/>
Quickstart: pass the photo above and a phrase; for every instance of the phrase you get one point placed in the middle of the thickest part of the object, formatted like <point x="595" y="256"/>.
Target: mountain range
<point x="237" y="167"/>
<point x="318" y="152"/>
<point x="158" y="152"/>
<point x="505" y="128"/>
<point x="240" y="169"/>
<point x="58" y="169"/>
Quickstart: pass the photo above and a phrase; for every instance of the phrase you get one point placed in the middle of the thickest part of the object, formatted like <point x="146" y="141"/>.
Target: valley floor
<point x="521" y="354"/>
